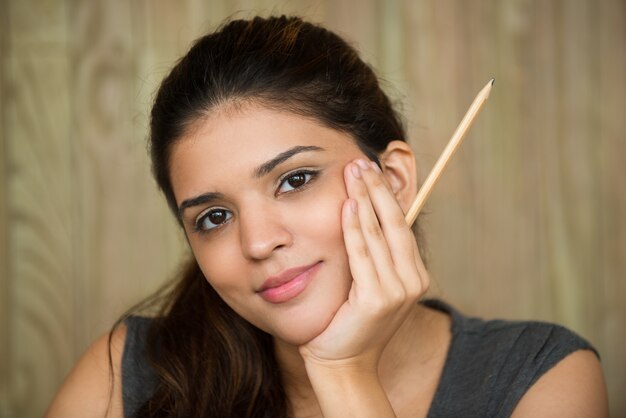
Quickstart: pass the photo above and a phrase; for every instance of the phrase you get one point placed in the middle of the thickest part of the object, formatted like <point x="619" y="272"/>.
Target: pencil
<point x="453" y="144"/>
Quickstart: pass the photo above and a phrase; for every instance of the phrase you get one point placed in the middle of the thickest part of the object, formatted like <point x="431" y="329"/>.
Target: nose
<point x="262" y="231"/>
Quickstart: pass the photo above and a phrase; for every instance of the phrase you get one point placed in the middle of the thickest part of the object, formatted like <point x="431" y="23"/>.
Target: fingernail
<point x="353" y="206"/>
<point x="362" y="164"/>
<point x="355" y="171"/>
<point x="375" y="167"/>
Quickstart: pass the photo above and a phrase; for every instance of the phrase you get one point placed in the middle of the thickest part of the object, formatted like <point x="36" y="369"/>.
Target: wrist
<point x="365" y="363"/>
<point x="347" y="389"/>
<point x="342" y="376"/>
<point x="345" y="369"/>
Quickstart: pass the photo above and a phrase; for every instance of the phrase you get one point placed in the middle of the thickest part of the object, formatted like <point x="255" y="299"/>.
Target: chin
<point x="301" y="335"/>
<point x="306" y="322"/>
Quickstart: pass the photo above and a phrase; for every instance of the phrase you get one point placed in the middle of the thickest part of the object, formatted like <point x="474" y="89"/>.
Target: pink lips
<point x="288" y="284"/>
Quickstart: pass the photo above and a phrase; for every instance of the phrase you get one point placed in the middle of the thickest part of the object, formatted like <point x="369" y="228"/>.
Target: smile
<point x="288" y="284"/>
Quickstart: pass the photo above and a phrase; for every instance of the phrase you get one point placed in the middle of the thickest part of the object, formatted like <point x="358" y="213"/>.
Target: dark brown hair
<point x="210" y="362"/>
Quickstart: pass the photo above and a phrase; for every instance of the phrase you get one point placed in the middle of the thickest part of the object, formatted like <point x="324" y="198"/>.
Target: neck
<point x="295" y="380"/>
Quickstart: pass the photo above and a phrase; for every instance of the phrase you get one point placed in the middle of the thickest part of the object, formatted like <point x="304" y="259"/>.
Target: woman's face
<point x="260" y="193"/>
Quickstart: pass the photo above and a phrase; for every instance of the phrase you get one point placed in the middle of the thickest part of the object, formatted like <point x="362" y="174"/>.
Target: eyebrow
<point x="258" y="172"/>
<point x="268" y="166"/>
<point x="198" y="200"/>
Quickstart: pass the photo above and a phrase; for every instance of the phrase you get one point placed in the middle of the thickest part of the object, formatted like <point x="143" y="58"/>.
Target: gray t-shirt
<point x="489" y="365"/>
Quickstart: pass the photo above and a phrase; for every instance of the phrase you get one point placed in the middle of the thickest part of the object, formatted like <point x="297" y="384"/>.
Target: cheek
<point x="221" y="264"/>
<point x="323" y="212"/>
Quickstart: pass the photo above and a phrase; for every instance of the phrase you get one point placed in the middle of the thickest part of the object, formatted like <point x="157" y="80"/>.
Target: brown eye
<point x="213" y="219"/>
<point x="217" y="217"/>
<point x="295" y="181"/>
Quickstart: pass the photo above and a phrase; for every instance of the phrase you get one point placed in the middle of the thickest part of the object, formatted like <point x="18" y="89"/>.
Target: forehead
<point x="234" y="142"/>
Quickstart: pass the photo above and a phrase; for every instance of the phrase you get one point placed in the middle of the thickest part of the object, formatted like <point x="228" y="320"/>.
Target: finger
<point x="359" y="257"/>
<point x="370" y="227"/>
<point x="399" y="238"/>
<point x="402" y="243"/>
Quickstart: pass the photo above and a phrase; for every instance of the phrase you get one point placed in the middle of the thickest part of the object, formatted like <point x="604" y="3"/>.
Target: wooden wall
<point x="528" y="221"/>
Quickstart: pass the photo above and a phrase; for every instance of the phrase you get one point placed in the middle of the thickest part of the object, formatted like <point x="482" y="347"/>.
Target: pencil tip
<point x="493" y="80"/>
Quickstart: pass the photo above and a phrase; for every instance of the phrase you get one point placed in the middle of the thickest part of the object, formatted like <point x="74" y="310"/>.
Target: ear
<point x="398" y="162"/>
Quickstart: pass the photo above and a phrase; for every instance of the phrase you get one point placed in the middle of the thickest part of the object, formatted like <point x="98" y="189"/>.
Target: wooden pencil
<point x="453" y="144"/>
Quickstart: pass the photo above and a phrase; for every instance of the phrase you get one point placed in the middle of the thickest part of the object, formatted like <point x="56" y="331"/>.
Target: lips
<point x="288" y="284"/>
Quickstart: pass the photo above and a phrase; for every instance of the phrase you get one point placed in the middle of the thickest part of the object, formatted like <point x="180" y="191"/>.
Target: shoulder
<point x="530" y="347"/>
<point x="546" y="370"/>
<point x="94" y="384"/>
<point x="139" y="379"/>
<point x="574" y="387"/>
<point x="513" y="347"/>
<point x="496" y="367"/>
<point x="550" y="370"/>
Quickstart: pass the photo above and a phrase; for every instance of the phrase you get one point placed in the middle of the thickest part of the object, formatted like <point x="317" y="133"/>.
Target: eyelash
<point x="300" y="172"/>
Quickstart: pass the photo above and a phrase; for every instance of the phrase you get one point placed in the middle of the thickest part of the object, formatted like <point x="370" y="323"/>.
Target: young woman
<point x="286" y="166"/>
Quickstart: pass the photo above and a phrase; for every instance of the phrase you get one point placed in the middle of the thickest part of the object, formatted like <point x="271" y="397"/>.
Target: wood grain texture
<point x="5" y="300"/>
<point x="527" y="221"/>
<point x="39" y="199"/>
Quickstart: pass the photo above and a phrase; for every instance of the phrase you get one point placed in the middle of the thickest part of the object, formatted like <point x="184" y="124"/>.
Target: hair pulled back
<point x="210" y="362"/>
<point x="280" y="62"/>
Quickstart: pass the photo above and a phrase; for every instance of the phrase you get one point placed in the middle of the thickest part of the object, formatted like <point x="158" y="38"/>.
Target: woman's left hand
<point x="387" y="270"/>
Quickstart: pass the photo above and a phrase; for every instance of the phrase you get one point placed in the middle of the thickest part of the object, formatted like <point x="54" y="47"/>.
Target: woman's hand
<point x="388" y="276"/>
